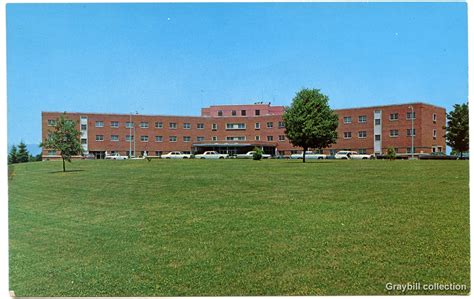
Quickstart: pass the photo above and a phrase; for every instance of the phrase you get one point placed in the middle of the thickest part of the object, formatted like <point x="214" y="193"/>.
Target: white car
<point x="309" y="155"/>
<point x="116" y="156"/>
<point x="346" y="155"/>
<point x="176" y="155"/>
<point x="249" y="155"/>
<point x="211" y="155"/>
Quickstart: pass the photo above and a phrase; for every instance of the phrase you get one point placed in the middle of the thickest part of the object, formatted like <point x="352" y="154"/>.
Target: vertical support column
<point x="378" y="132"/>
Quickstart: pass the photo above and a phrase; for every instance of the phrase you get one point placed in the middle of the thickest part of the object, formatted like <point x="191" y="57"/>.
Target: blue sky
<point x="177" y="58"/>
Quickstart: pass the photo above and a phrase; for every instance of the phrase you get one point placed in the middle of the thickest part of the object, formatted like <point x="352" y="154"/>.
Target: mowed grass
<point x="235" y="227"/>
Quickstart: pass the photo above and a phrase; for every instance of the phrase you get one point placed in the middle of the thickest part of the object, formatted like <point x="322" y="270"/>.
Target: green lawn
<point x="237" y="227"/>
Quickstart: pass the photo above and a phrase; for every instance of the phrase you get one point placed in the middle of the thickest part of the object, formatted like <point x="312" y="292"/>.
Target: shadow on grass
<point x="72" y="170"/>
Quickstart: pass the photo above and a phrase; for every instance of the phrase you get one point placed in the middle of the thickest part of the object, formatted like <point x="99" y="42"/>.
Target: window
<point x="269" y="138"/>
<point x="281" y="124"/>
<point x="159" y="125"/>
<point x="409" y="150"/>
<point x="51" y="153"/>
<point x="434" y="134"/>
<point x="83" y="141"/>
<point x="99" y="137"/>
<point x="219" y="113"/>
<point x="158" y="138"/>
<point x="214" y="138"/>
<point x="292" y="152"/>
<point x="200" y="126"/>
<point x="144" y="138"/>
<point x="393" y="116"/>
<point x="235" y="138"/>
<point x="234" y="113"/>
<point x="269" y="124"/>
<point x="347" y="119"/>
<point x="347" y="135"/>
<point x="114" y="138"/>
<point x="144" y="125"/>
<point x="128" y="125"/>
<point x="214" y="127"/>
<point x="257" y="112"/>
<point x="332" y="152"/>
<point x="411" y="115"/>
<point x="235" y="126"/>
<point x="173" y="138"/>
<point x="187" y="125"/>
<point x="257" y="138"/>
<point x="362" y="119"/>
<point x="257" y="126"/>
<point x="129" y="138"/>
<point x="377" y="137"/>
<point x="51" y="122"/>
<point x="281" y="137"/>
<point x="409" y="132"/>
<point x="186" y="138"/>
<point x="434" y="117"/>
<point x="362" y="151"/>
<point x="158" y="153"/>
<point x="393" y="133"/>
<point x="173" y="125"/>
<point x="114" y="124"/>
<point x="377" y="122"/>
<point x="243" y="112"/>
<point x="99" y="124"/>
<point x="83" y="127"/>
<point x="362" y="134"/>
<point x="200" y="138"/>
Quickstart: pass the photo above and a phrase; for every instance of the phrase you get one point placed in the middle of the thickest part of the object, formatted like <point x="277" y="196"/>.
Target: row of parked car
<point x="343" y="155"/>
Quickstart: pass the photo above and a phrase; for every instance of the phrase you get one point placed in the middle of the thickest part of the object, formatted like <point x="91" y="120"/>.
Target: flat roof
<point x="201" y="116"/>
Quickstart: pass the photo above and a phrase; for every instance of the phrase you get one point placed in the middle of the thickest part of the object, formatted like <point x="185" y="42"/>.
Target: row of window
<point x="393" y="117"/>
<point x="173" y="125"/>
<point x="234" y="112"/>
<point x="393" y="133"/>
<point x="145" y="138"/>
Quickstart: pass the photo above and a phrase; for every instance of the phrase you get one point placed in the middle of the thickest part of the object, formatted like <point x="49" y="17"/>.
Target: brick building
<point x="239" y="128"/>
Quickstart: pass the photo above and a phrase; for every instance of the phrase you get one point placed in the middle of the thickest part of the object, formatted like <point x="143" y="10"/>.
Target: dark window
<point x="234" y="113"/>
<point x="243" y="112"/>
<point x="257" y="112"/>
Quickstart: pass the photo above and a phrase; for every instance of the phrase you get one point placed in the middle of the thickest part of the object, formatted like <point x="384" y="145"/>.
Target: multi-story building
<point x="239" y="128"/>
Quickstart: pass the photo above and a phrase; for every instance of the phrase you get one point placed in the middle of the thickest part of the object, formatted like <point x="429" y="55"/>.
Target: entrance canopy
<point x="233" y="147"/>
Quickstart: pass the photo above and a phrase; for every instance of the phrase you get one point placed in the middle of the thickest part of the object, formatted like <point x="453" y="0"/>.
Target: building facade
<point x="239" y="128"/>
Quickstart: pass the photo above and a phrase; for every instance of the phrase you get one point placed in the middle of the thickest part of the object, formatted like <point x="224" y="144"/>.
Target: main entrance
<point x="233" y="148"/>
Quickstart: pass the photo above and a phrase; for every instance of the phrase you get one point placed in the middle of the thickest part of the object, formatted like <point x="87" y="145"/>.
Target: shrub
<point x="391" y="154"/>
<point x="258" y="154"/>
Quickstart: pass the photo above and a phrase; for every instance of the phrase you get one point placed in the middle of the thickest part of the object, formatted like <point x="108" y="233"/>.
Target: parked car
<point x="346" y="155"/>
<point x="176" y="155"/>
<point x="309" y="155"/>
<point x="249" y="155"/>
<point x="88" y="157"/>
<point x="211" y="155"/>
<point x="116" y="156"/>
<point x="437" y="156"/>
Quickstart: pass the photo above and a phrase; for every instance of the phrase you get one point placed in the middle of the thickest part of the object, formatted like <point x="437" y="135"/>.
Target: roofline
<point x="391" y="105"/>
<point x="202" y="116"/>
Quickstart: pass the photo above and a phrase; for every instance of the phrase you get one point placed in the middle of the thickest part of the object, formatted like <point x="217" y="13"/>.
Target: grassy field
<point x="234" y="227"/>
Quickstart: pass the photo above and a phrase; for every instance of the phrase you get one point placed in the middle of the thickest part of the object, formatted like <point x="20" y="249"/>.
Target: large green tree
<point x="13" y="155"/>
<point x="65" y="138"/>
<point x="457" y="131"/>
<point x="309" y="121"/>
<point x="23" y="154"/>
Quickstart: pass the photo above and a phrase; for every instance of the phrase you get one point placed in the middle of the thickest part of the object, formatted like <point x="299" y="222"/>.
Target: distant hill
<point x="33" y="149"/>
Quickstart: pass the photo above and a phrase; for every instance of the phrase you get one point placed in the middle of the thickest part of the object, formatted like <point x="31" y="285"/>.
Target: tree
<point x="309" y="121"/>
<point x="457" y="131"/>
<point x="65" y="138"/>
<point x="13" y="155"/>
<point x="23" y="155"/>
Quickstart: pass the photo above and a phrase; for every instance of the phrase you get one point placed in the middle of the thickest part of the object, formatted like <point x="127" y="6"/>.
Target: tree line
<point x="20" y="154"/>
